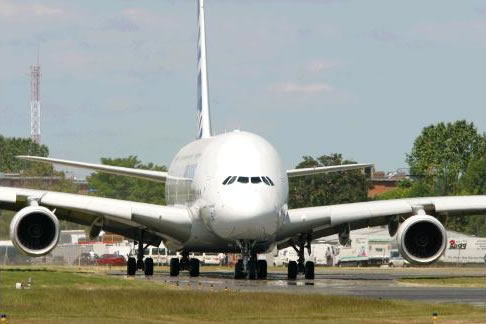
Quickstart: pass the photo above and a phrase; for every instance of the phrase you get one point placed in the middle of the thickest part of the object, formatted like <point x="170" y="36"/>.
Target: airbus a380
<point x="227" y="193"/>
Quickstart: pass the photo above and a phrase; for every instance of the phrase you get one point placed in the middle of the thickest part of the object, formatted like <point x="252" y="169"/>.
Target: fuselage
<point x="234" y="183"/>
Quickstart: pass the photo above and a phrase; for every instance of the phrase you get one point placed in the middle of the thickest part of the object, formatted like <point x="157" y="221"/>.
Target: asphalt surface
<point x="378" y="283"/>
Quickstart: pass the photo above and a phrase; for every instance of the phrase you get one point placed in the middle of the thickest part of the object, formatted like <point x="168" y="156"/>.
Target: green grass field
<point x="70" y="295"/>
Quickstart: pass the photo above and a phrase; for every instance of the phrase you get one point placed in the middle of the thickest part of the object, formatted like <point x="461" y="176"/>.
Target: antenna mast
<point x="35" y="112"/>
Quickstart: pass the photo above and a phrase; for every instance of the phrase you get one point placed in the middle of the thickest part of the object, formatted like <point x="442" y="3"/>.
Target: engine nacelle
<point x="34" y="231"/>
<point x="421" y="239"/>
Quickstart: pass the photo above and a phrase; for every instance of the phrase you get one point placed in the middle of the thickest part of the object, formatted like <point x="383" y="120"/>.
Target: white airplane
<point x="227" y="193"/>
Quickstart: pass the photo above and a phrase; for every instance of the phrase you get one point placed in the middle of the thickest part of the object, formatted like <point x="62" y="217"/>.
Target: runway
<point x="368" y="282"/>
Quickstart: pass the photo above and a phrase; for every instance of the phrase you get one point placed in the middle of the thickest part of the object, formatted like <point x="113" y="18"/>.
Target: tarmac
<point x="380" y="283"/>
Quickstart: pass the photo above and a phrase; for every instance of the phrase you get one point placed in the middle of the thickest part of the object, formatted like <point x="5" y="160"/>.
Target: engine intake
<point x="34" y="231"/>
<point x="421" y="239"/>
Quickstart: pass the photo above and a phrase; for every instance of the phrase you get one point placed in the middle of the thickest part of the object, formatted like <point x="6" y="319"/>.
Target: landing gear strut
<point x="306" y="268"/>
<point x="249" y="265"/>
<point x="138" y="264"/>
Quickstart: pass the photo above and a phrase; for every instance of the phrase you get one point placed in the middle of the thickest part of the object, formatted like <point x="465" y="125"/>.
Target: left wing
<point x="327" y="220"/>
<point x="327" y="169"/>
<point x="157" y="176"/>
<point x="139" y="221"/>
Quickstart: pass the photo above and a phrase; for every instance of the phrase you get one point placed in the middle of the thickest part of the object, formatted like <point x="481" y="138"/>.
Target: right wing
<point x="323" y="221"/>
<point x="157" y="176"/>
<point x="127" y="218"/>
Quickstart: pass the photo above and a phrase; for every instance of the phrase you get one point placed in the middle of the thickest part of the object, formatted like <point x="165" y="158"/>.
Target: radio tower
<point x="35" y="111"/>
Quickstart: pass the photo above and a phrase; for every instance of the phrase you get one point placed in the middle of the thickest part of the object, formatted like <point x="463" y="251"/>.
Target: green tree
<point x="407" y="189"/>
<point x="127" y="188"/>
<point x="473" y="182"/>
<point x="442" y="153"/>
<point x="11" y="147"/>
<point x="327" y="189"/>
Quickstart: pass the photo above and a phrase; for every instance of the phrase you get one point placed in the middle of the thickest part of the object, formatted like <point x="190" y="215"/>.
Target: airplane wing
<point x="328" y="220"/>
<point x="327" y="169"/>
<point x="130" y="219"/>
<point x="157" y="176"/>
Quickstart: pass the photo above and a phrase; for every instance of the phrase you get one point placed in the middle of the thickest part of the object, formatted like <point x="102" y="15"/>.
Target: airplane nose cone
<point x="247" y="215"/>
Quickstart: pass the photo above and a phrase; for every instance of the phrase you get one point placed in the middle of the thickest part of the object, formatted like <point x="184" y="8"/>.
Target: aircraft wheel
<point x="149" y="267"/>
<point x="131" y="267"/>
<point x="239" y="274"/>
<point x="292" y="270"/>
<point x="262" y="269"/>
<point x="174" y="267"/>
<point x="252" y="270"/>
<point x="309" y="270"/>
<point x="194" y="267"/>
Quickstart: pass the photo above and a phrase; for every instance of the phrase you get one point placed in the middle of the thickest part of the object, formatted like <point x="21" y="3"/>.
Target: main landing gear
<point x="306" y="268"/>
<point x="139" y="264"/>
<point x="248" y="265"/>
<point x="192" y="265"/>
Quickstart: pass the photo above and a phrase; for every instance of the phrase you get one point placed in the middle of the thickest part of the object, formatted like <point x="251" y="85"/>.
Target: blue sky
<point x="313" y="76"/>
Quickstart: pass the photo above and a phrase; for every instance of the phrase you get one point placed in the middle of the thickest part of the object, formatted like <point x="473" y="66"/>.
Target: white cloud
<point x="323" y="65"/>
<point x="303" y="88"/>
<point x="10" y="10"/>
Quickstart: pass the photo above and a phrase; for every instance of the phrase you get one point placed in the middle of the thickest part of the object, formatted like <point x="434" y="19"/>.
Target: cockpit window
<point x="243" y="179"/>
<point x="270" y="180"/>
<point x="266" y="181"/>
<point x="256" y="180"/>
<point x="226" y="180"/>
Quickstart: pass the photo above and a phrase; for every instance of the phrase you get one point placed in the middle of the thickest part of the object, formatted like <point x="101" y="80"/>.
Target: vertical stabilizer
<point x="204" y="122"/>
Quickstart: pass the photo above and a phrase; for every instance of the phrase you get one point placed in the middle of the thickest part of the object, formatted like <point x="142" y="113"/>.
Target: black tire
<point x="194" y="267"/>
<point x="131" y="267"/>
<point x="262" y="269"/>
<point x="174" y="267"/>
<point x="239" y="270"/>
<point x="309" y="270"/>
<point x="292" y="270"/>
<point x="252" y="270"/>
<point x="149" y="267"/>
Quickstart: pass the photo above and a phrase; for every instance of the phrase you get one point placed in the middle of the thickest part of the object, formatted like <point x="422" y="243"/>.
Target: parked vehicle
<point x="160" y="255"/>
<point x="396" y="260"/>
<point x="111" y="259"/>
<point x="210" y="258"/>
<point x="86" y="259"/>
<point x="362" y="251"/>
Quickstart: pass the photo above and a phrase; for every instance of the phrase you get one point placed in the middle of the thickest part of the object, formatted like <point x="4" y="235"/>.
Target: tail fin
<point x="203" y="117"/>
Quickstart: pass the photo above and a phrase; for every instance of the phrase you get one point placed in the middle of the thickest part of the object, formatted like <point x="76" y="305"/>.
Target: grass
<point x="476" y="282"/>
<point x="67" y="295"/>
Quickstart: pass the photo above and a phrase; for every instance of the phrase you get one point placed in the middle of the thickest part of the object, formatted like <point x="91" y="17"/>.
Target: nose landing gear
<point x="306" y="268"/>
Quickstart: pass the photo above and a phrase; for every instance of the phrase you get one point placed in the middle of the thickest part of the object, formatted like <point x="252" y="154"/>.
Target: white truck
<point x="396" y="260"/>
<point x="363" y="251"/>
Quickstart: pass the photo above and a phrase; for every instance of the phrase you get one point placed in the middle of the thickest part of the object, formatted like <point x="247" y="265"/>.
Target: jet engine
<point x="34" y="231"/>
<point x="421" y="239"/>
